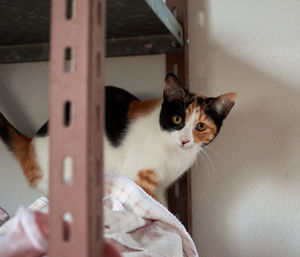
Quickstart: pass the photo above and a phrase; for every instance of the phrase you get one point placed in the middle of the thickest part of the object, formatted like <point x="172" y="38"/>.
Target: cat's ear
<point x="223" y="104"/>
<point x="173" y="90"/>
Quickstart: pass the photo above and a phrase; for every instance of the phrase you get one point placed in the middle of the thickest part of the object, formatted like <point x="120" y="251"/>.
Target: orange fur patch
<point x="189" y="110"/>
<point x="207" y="135"/>
<point x="147" y="179"/>
<point x="230" y="96"/>
<point x="141" y="108"/>
<point x="24" y="152"/>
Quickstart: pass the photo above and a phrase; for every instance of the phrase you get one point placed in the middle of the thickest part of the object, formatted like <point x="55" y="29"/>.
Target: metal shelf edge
<point x="114" y="48"/>
<point x="167" y="18"/>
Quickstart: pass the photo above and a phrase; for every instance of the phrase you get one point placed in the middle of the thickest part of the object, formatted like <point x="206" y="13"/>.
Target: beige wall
<point x="246" y="201"/>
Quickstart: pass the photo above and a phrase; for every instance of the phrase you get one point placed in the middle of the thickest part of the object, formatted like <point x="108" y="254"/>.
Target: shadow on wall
<point x="25" y="105"/>
<point x="251" y="187"/>
<point x="247" y="201"/>
<point x="14" y="109"/>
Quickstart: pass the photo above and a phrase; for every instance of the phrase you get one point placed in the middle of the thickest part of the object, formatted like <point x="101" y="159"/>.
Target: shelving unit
<point x="139" y="28"/>
<point x="80" y="30"/>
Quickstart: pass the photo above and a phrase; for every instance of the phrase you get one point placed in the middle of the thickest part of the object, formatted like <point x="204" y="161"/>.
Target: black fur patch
<point x="191" y="95"/>
<point x="211" y="112"/>
<point x="217" y="109"/>
<point x="187" y="103"/>
<point x="43" y="131"/>
<point x="208" y="100"/>
<point x="200" y="100"/>
<point x="5" y="133"/>
<point x="168" y="110"/>
<point x="116" y="121"/>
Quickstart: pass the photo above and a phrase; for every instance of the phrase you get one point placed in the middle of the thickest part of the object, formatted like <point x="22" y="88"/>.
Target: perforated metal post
<point x="179" y="195"/>
<point x="76" y="127"/>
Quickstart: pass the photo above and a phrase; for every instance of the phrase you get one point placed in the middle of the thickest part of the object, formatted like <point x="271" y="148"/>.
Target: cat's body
<point x="152" y="142"/>
<point x="140" y="152"/>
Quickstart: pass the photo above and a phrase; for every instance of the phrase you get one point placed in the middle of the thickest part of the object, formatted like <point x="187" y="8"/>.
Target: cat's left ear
<point x="173" y="91"/>
<point x="223" y="104"/>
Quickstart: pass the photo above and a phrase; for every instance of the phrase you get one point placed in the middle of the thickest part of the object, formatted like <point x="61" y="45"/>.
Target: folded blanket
<point x="137" y="222"/>
<point x="134" y="223"/>
<point x="27" y="236"/>
<point x="3" y="216"/>
<point x="41" y="204"/>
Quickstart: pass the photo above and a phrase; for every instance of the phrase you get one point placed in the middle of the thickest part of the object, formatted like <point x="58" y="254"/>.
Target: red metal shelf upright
<point x="76" y="127"/>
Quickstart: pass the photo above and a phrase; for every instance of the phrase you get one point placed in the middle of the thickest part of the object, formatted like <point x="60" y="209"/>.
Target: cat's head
<point x="193" y="120"/>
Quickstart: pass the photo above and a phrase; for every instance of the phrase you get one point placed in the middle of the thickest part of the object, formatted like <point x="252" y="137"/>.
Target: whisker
<point x="205" y="163"/>
<point x="209" y="161"/>
<point x="215" y="152"/>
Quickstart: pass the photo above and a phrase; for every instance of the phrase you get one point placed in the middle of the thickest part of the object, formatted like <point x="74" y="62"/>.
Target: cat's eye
<point x="201" y="126"/>
<point x="177" y="119"/>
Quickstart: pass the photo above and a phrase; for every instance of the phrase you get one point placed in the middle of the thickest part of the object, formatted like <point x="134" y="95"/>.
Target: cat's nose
<point x="185" y="142"/>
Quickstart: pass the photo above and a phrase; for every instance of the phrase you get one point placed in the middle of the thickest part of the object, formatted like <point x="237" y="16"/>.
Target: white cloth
<point x="135" y="223"/>
<point x="140" y="224"/>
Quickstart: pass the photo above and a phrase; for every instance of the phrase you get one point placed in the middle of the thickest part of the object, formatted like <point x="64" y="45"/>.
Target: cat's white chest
<point x="145" y="146"/>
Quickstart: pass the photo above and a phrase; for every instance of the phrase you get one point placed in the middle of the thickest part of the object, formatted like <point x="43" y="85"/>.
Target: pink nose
<point x="185" y="142"/>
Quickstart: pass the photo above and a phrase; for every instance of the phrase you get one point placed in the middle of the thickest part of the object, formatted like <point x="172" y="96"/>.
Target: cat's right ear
<point x="173" y="91"/>
<point x="222" y="104"/>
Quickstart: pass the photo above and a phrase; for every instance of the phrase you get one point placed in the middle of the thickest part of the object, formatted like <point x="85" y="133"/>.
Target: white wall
<point x="247" y="202"/>
<point x="24" y="101"/>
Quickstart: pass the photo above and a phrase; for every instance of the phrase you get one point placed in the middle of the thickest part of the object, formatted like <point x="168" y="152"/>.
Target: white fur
<point x="41" y="147"/>
<point x="145" y="146"/>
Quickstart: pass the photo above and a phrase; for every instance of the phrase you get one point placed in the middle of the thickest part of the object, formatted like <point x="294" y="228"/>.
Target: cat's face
<point x="192" y="120"/>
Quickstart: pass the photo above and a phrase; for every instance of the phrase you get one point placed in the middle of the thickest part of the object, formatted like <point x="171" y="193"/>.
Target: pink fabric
<point x="134" y="223"/>
<point x="138" y="225"/>
<point x="27" y="236"/>
<point x="3" y="216"/>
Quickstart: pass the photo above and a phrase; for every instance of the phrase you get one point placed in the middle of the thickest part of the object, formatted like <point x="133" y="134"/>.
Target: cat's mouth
<point x="185" y="147"/>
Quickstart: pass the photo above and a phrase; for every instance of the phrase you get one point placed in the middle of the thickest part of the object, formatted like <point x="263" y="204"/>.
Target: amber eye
<point x="177" y="119"/>
<point x="201" y="126"/>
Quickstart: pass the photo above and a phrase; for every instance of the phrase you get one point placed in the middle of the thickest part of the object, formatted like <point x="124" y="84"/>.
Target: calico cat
<point x="151" y="142"/>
